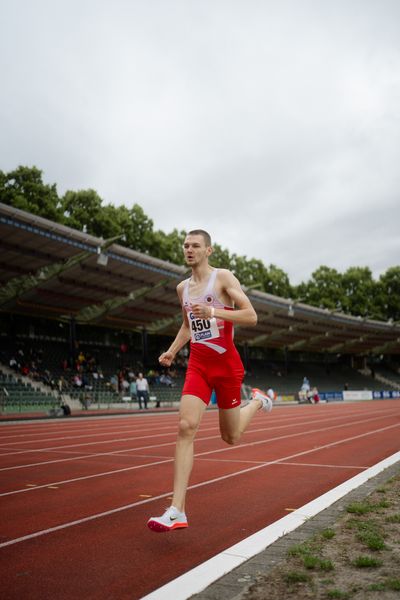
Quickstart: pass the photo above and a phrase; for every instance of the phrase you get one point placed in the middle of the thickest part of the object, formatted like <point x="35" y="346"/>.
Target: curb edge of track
<point x="228" y="575"/>
<point x="235" y="584"/>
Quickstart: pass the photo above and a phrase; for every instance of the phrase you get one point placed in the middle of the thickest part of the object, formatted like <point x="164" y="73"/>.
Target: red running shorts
<point x="222" y="373"/>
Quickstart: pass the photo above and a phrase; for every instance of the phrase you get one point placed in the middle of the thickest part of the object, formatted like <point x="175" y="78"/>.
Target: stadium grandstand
<point x="81" y="315"/>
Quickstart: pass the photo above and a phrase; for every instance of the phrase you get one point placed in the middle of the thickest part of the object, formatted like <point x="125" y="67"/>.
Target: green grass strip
<point x="366" y="562"/>
<point x="297" y="577"/>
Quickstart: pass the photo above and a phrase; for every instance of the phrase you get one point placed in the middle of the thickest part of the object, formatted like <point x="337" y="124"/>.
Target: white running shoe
<point x="257" y="394"/>
<point x="171" y="519"/>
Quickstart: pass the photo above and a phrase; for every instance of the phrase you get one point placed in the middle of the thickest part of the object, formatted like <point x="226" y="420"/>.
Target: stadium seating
<point x="17" y="396"/>
<point x="106" y="356"/>
<point x="326" y="378"/>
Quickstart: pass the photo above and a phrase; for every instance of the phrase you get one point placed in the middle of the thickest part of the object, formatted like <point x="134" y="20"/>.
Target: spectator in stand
<point x="66" y="409"/>
<point x="77" y="381"/>
<point x="114" y="382"/>
<point x="142" y="390"/>
<point x="47" y="379"/>
<point x="120" y="380"/>
<point x="305" y="386"/>
<point x="166" y="380"/>
<point x="25" y="370"/>
<point x="132" y="390"/>
<point x="304" y="391"/>
<point x="13" y="364"/>
<point x="315" y="395"/>
<point x="152" y="376"/>
<point x="182" y="358"/>
<point x="85" y="382"/>
<point x="91" y="364"/>
<point x="61" y="384"/>
<point x="125" y="387"/>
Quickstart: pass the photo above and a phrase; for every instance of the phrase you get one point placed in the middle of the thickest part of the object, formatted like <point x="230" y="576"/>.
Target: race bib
<point x="203" y="329"/>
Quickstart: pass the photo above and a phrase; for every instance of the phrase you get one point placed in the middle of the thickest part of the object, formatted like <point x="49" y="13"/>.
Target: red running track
<point x="75" y="496"/>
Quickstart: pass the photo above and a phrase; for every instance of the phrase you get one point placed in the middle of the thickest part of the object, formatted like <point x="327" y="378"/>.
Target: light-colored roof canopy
<point x="50" y="270"/>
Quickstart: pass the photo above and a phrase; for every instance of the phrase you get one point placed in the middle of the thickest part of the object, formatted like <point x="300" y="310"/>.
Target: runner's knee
<point x="230" y="438"/>
<point x="187" y="427"/>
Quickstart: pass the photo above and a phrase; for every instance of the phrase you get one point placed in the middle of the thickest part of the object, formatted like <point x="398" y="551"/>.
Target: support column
<point x="145" y="349"/>
<point x="72" y="341"/>
<point x="286" y="358"/>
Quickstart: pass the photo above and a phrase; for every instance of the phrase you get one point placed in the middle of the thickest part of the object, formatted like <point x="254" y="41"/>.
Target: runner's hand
<point x="166" y="359"/>
<point x="201" y="311"/>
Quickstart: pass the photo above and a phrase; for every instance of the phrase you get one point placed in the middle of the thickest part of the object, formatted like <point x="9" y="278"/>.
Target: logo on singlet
<point x="202" y="335"/>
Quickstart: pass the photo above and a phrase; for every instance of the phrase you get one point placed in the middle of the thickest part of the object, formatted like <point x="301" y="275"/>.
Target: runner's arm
<point x="244" y="313"/>
<point x="181" y="338"/>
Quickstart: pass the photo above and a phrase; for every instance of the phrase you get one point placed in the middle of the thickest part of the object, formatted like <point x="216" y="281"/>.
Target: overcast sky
<point x="274" y="124"/>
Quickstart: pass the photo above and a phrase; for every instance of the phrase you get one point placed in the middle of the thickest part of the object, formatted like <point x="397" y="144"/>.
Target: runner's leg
<point x="233" y="422"/>
<point x="190" y="414"/>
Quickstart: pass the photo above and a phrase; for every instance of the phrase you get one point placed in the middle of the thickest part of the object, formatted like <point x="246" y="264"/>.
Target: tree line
<point x="353" y="292"/>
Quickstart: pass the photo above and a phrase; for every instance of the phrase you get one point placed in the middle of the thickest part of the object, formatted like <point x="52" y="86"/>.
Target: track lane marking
<point x="215" y="451"/>
<point x="78" y="433"/>
<point x="191" y="487"/>
<point x="295" y="464"/>
<point x="228" y="448"/>
<point x="96" y="422"/>
<point x="287" y="421"/>
<point x="84" y="435"/>
<point x="269" y="428"/>
<point x="195" y="486"/>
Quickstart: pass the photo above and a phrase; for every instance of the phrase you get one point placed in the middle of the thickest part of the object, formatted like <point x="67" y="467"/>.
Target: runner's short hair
<point x="206" y="236"/>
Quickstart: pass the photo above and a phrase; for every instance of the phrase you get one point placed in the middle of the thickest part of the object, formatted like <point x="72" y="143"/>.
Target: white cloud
<point x="274" y="125"/>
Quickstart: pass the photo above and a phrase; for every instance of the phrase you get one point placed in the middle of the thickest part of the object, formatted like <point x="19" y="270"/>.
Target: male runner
<point x="212" y="302"/>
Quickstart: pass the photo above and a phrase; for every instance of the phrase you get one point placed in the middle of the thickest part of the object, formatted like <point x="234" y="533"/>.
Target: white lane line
<point x="276" y="416"/>
<point x="92" y="422"/>
<point x="78" y="432"/>
<point x="74" y="436"/>
<point x="294" y="464"/>
<point x="7" y="445"/>
<point x="191" y="487"/>
<point x="199" y="578"/>
<point x="293" y="435"/>
<point x="214" y="451"/>
<point x="81" y="457"/>
<point x="87" y="477"/>
<point x="268" y="428"/>
<point x="115" y="452"/>
<point x="87" y="428"/>
<point x="67" y="426"/>
<point x="286" y="422"/>
<point x="206" y="453"/>
<point x="101" y="420"/>
<point x="325" y="466"/>
<point x="115" y="440"/>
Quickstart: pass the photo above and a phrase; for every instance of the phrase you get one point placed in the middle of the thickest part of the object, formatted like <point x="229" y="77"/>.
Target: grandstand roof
<point x="49" y="270"/>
